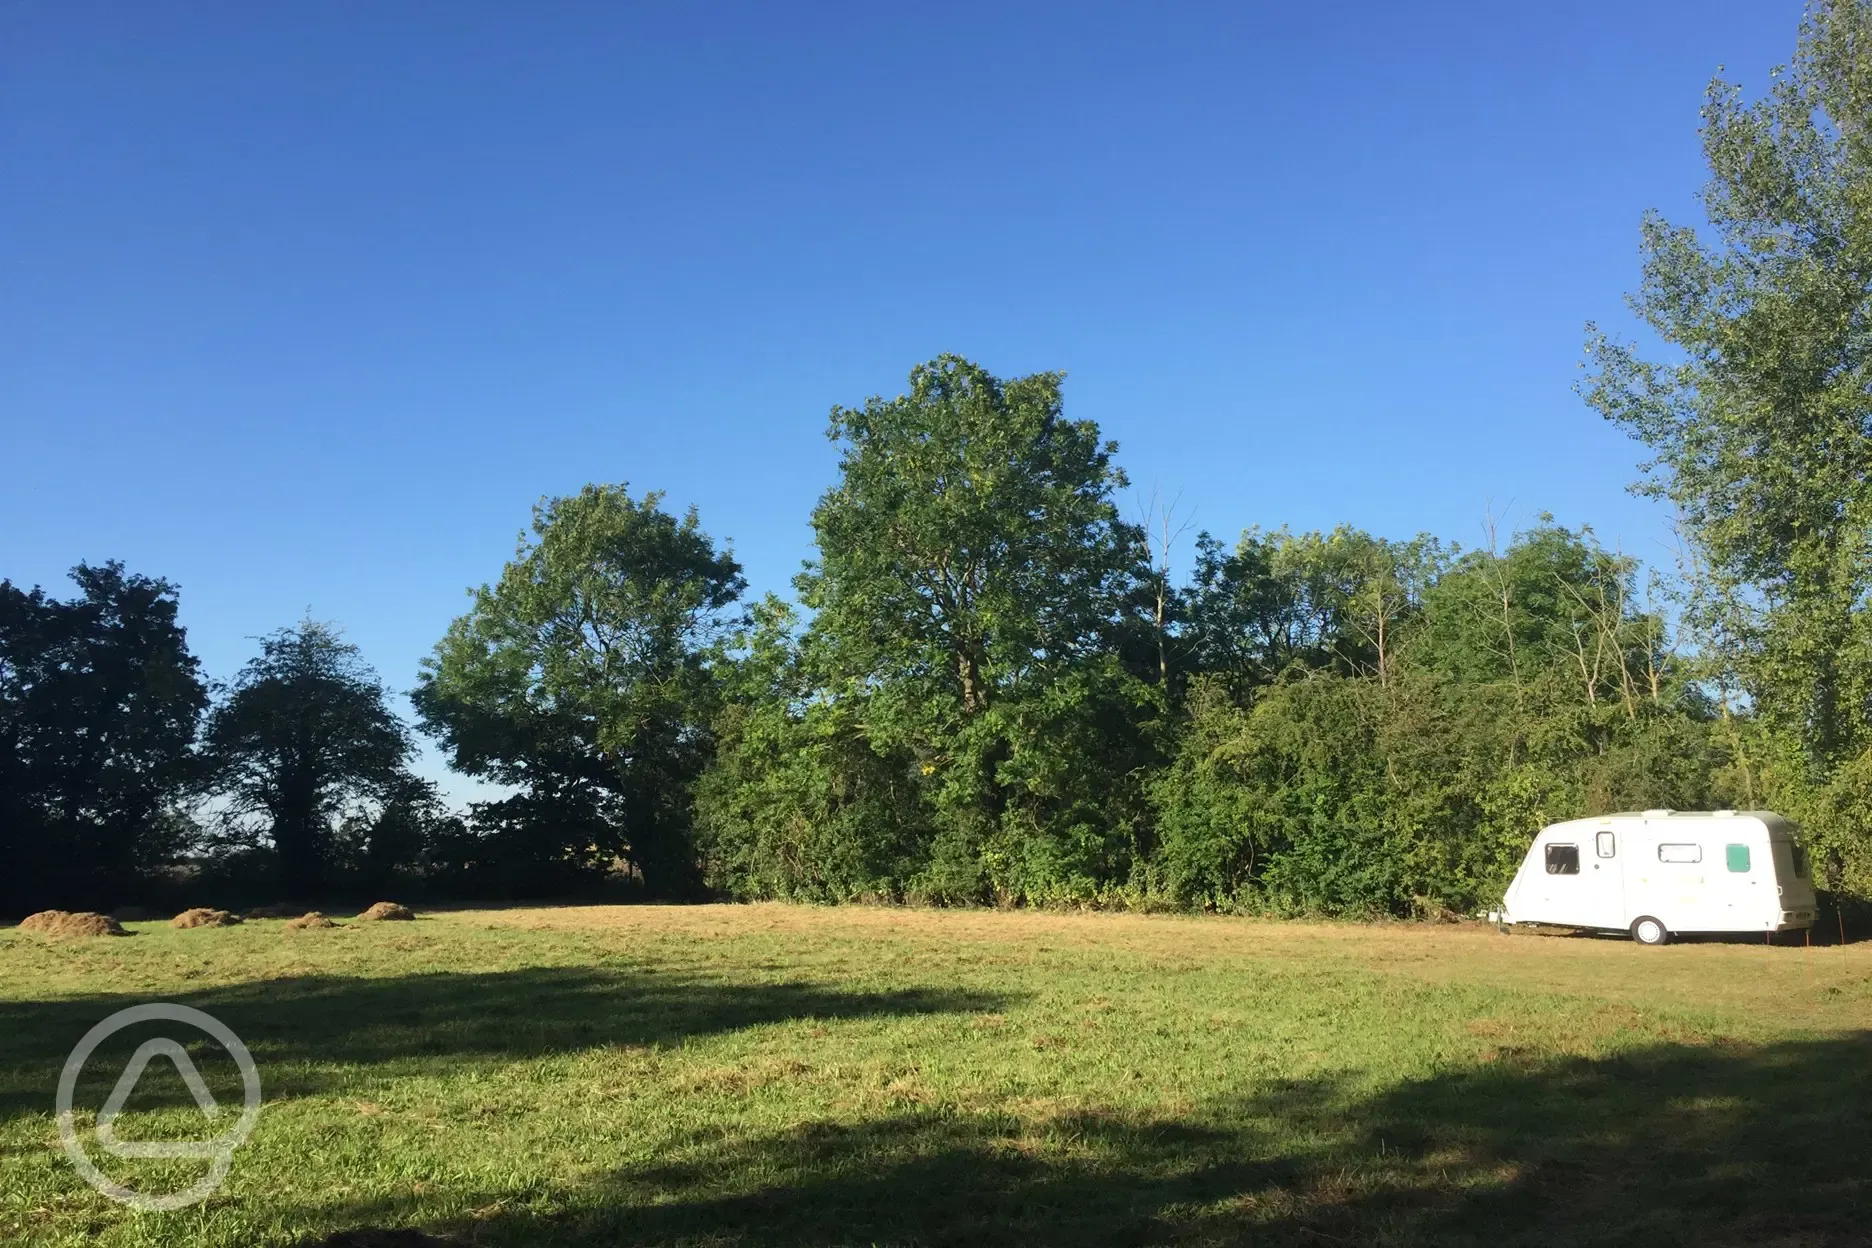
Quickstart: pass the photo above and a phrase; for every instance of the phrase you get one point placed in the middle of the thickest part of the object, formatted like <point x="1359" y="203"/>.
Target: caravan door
<point x="1582" y="883"/>
<point x="1605" y="879"/>
<point x="1744" y="881"/>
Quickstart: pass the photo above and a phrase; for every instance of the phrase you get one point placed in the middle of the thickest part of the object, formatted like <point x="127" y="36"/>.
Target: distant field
<point x="766" y="1075"/>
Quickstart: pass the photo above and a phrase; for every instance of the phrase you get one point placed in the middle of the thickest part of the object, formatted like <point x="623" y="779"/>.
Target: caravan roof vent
<point x="1724" y="814"/>
<point x="1657" y="814"/>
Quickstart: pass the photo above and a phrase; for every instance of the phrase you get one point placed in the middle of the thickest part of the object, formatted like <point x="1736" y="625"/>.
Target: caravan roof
<point x="1691" y="814"/>
<point x="1778" y="826"/>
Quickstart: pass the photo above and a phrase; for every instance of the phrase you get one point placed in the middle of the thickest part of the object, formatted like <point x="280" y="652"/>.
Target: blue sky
<point x="304" y="306"/>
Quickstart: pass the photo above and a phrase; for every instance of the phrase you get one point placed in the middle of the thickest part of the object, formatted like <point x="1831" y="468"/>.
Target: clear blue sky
<point x="304" y="306"/>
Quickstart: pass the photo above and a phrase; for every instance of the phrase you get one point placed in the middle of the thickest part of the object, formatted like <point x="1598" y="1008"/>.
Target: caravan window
<point x="1800" y="861"/>
<point x="1563" y="860"/>
<point x="1680" y="853"/>
<point x="1739" y="859"/>
<point x="1608" y="844"/>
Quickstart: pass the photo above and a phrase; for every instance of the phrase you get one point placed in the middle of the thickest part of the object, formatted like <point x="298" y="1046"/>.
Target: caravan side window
<point x="1563" y="860"/>
<point x="1800" y="861"/>
<point x="1680" y="853"/>
<point x="1608" y="844"/>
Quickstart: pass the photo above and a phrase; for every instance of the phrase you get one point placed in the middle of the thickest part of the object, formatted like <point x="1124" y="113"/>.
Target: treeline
<point x="126" y="778"/>
<point x="994" y="692"/>
<point x="990" y="689"/>
<point x="991" y="686"/>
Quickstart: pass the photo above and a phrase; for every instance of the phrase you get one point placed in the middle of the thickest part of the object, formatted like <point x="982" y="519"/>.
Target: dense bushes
<point x="1342" y="724"/>
<point x="1336" y="794"/>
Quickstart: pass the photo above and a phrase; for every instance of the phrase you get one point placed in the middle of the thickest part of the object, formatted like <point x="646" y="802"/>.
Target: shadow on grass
<point x="1677" y="1145"/>
<point x="297" y="1027"/>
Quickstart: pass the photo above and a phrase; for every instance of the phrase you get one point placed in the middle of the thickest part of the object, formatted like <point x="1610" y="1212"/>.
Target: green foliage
<point x="1760" y="428"/>
<point x="306" y="742"/>
<point x="99" y="702"/>
<point x="1760" y="419"/>
<point x="956" y="722"/>
<point x="972" y="544"/>
<point x="1518" y="688"/>
<point x="1337" y="723"/>
<point x="400" y="846"/>
<point x="798" y="803"/>
<point x="584" y="678"/>
<point x="1282" y="602"/>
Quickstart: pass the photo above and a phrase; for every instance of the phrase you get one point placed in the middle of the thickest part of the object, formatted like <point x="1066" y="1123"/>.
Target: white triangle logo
<point x="126" y="1084"/>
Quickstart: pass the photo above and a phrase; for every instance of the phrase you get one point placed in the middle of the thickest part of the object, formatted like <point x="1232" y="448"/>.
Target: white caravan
<point x="1666" y="871"/>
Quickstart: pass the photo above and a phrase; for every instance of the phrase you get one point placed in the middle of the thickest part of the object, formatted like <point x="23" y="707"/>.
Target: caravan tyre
<point x="1648" y="931"/>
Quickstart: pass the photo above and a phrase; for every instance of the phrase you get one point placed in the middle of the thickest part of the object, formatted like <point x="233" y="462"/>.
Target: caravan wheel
<point x="1648" y="931"/>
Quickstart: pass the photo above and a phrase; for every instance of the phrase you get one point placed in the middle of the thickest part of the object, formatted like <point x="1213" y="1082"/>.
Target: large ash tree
<point x="583" y="677"/>
<point x="973" y="586"/>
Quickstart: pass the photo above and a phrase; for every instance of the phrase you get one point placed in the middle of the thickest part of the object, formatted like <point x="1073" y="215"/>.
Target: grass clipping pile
<point x="310" y="919"/>
<point x="201" y="916"/>
<point x="72" y="923"/>
<point x="387" y="910"/>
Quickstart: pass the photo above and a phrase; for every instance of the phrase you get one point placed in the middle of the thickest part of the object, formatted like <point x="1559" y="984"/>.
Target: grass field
<point x="766" y="1075"/>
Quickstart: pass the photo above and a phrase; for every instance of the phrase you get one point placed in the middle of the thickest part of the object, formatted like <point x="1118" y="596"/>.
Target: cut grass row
<point x="769" y="1075"/>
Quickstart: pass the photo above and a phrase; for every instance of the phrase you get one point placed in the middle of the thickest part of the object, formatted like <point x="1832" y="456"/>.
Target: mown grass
<point x="768" y="1075"/>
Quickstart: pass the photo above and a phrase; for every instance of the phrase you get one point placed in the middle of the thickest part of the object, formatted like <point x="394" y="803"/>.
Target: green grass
<point x="768" y="1075"/>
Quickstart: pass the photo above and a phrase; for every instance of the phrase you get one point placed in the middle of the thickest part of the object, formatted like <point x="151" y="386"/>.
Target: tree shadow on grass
<point x="295" y="1028"/>
<point x="1676" y="1145"/>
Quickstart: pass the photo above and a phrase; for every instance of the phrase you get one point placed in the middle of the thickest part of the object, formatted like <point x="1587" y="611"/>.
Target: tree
<point x="799" y="802"/>
<point x="305" y="737"/>
<point x="1162" y="604"/>
<point x="972" y="536"/>
<point x="400" y="841"/>
<point x="585" y="678"/>
<point x="99" y="704"/>
<point x="1385" y="726"/>
<point x="973" y="580"/>
<point x="1282" y="603"/>
<point x="1761" y="422"/>
<point x="1556" y="608"/>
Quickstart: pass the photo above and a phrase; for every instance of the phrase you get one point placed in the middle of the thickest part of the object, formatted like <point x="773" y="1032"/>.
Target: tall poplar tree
<point x="1759" y="417"/>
